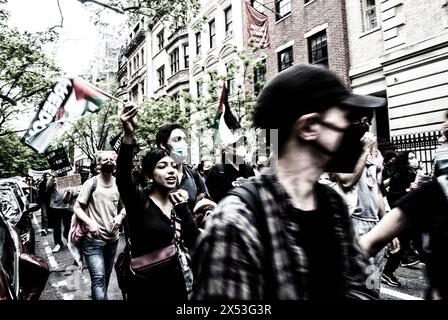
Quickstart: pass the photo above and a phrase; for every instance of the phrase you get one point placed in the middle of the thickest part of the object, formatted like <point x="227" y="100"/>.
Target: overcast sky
<point x="77" y="42"/>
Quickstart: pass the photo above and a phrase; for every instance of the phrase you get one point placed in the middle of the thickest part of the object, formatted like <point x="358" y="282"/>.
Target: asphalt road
<point x="67" y="282"/>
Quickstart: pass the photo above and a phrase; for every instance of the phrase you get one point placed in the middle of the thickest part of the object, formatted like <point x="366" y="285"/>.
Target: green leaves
<point x="16" y="158"/>
<point x="26" y="72"/>
<point x="155" y="113"/>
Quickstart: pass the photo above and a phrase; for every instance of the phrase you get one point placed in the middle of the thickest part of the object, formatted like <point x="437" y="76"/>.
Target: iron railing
<point x="423" y="144"/>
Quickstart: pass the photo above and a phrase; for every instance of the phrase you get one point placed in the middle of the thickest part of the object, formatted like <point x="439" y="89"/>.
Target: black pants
<point x="56" y="217"/>
<point x="44" y="207"/>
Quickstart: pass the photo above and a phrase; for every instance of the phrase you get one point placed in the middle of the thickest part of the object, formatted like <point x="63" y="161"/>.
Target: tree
<point x="92" y="133"/>
<point x="178" y="12"/>
<point x="155" y="113"/>
<point x="16" y="158"/>
<point x="26" y="72"/>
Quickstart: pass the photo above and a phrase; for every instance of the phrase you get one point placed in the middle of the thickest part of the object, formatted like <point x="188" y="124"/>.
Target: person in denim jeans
<point x="103" y="213"/>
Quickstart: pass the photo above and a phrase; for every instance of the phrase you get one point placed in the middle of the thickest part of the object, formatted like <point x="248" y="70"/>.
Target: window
<point x="142" y="88"/>
<point x="259" y="76"/>
<point x="212" y="33"/>
<point x="199" y="88"/>
<point x="285" y="59"/>
<point x="370" y="14"/>
<point x="137" y="61"/>
<point x="174" y="61"/>
<point x="228" y="20"/>
<point x="198" y="43"/>
<point x="143" y="56"/>
<point x="186" y="57"/>
<point x="134" y="93"/>
<point x="130" y="67"/>
<point x="317" y="48"/>
<point x="257" y="5"/>
<point x="161" y="75"/>
<point x="160" y="40"/>
<point x="282" y="9"/>
<point x="230" y="81"/>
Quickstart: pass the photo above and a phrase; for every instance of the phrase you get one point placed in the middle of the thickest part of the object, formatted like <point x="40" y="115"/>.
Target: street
<point x="67" y="283"/>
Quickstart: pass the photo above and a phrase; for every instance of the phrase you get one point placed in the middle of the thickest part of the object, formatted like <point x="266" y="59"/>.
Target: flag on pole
<point x="225" y="121"/>
<point x="69" y="101"/>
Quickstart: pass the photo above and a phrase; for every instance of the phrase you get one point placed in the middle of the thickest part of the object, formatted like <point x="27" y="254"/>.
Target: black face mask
<point x="344" y="159"/>
<point x="107" y="168"/>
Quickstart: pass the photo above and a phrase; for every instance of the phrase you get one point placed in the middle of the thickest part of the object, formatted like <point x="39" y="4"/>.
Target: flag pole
<point x="102" y="91"/>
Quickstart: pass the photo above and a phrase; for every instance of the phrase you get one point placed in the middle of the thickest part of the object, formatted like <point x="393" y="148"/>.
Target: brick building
<point x="303" y="31"/>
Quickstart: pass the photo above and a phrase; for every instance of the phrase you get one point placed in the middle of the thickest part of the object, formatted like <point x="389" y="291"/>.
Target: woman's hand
<point x="178" y="197"/>
<point x="127" y="118"/>
<point x="116" y="222"/>
<point x="94" y="228"/>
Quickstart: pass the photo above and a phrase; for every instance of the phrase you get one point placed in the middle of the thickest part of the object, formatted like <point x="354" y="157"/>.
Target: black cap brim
<point x="358" y="101"/>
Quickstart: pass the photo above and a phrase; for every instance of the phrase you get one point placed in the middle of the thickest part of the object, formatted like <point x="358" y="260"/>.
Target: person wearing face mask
<point x="172" y="137"/>
<point x="151" y="212"/>
<point x="102" y="212"/>
<point x="231" y="173"/>
<point x="365" y="182"/>
<point x="401" y="177"/>
<point x="283" y="235"/>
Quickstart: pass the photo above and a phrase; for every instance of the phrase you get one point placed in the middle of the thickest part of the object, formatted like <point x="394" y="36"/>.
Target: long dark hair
<point x="401" y="162"/>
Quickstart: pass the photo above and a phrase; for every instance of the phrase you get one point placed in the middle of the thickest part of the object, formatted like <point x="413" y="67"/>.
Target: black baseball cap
<point x="303" y="89"/>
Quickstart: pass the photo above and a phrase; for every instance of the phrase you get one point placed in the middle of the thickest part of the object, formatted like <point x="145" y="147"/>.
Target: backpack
<point x="249" y="194"/>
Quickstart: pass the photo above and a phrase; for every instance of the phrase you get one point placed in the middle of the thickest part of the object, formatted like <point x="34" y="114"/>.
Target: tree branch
<point x="105" y="5"/>
<point x="6" y="98"/>
<point x="62" y="18"/>
<point x="29" y="94"/>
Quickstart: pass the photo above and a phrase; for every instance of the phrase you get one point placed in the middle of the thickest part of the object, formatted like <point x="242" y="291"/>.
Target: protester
<point x="441" y="155"/>
<point x="422" y="210"/>
<point x="298" y="243"/>
<point x="59" y="212"/>
<point x="204" y="168"/>
<point x="231" y="172"/>
<point x="102" y="212"/>
<point x="402" y="175"/>
<point x="44" y="203"/>
<point x="151" y="214"/>
<point x="366" y="181"/>
<point x="172" y="138"/>
<point x="259" y="162"/>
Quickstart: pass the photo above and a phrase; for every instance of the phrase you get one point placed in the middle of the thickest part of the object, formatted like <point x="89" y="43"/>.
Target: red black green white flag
<point x="68" y="101"/>
<point x="225" y="122"/>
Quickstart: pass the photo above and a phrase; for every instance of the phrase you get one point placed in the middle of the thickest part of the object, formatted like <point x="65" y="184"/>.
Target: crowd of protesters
<point x="296" y="223"/>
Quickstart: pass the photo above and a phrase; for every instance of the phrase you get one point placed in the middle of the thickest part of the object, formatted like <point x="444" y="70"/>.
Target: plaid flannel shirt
<point x="230" y="257"/>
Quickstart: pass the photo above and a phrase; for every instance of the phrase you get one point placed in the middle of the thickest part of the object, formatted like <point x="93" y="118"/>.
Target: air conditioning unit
<point x="229" y="33"/>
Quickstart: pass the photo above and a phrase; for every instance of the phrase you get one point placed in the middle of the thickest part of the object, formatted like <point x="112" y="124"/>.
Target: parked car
<point x="19" y="216"/>
<point x="23" y="276"/>
<point x="18" y="191"/>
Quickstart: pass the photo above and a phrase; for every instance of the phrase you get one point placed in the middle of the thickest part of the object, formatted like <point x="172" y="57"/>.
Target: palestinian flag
<point x="69" y="101"/>
<point x="225" y="122"/>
